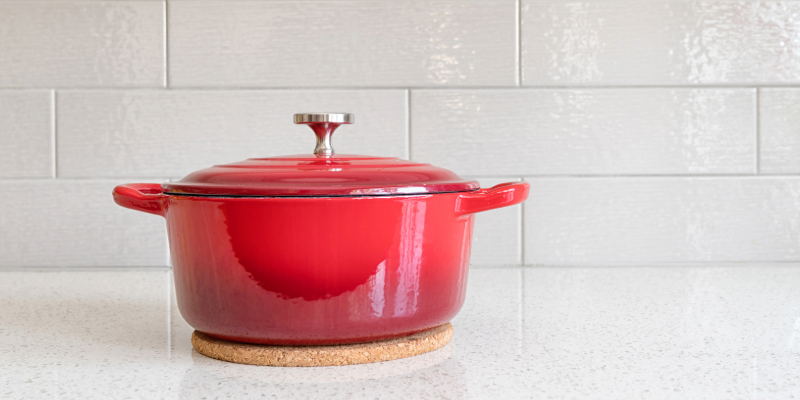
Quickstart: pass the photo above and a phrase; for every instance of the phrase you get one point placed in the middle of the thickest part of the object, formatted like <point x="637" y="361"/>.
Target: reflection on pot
<point x="293" y="260"/>
<point x="410" y="241"/>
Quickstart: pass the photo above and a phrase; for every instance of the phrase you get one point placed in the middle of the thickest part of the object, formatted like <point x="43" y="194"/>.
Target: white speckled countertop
<point x="634" y="332"/>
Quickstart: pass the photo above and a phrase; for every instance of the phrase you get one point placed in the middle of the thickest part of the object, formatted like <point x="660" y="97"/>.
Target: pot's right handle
<point x="502" y="195"/>
<point x="144" y="197"/>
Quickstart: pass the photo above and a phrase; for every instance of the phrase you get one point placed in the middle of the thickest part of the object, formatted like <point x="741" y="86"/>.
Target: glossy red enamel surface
<point x="319" y="270"/>
<point x="144" y="197"/>
<point x="304" y="271"/>
<point x="304" y="175"/>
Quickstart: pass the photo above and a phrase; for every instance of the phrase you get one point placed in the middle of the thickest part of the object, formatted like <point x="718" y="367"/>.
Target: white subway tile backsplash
<point x="343" y="43"/>
<point x="25" y="134"/>
<point x="172" y="133"/>
<point x="75" y="223"/>
<point x="662" y="220"/>
<point x="780" y="130"/>
<point x="497" y="235"/>
<point x="589" y="131"/>
<point x="81" y="43"/>
<point x="634" y="42"/>
<point x="621" y="174"/>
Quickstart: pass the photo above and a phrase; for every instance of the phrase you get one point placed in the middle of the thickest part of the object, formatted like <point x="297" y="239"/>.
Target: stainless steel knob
<point x="323" y="125"/>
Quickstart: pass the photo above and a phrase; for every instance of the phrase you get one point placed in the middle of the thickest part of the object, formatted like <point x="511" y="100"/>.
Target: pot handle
<point x="144" y="197"/>
<point x="502" y="195"/>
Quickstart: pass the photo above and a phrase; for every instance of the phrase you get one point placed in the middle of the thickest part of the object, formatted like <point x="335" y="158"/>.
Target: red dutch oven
<point x="321" y="248"/>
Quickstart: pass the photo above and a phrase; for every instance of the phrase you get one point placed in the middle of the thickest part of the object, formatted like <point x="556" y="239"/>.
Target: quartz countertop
<point x="710" y="331"/>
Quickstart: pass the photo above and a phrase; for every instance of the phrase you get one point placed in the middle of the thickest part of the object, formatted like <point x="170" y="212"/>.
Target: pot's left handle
<point x="144" y="197"/>
<point x="502" y="195"/>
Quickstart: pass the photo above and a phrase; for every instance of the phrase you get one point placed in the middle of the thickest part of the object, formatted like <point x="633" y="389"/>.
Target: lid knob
<point x="323" y="125"/>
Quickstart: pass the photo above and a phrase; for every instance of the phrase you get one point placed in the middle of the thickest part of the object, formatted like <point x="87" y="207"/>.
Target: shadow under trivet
<point x="322" y="356"/>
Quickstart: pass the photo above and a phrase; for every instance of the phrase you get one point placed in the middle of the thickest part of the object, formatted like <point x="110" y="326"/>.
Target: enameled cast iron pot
<point x="319" y="249"/>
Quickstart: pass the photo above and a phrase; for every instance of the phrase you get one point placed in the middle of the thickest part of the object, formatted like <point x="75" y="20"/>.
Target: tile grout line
<point x="519" y="43"/>
<point x="527" y="178"/>
<point x="408" y="122"/>
<point x="166" y="45"/>
<point x="638" y="176"/>
<point x="53" y="134"/>
<point x="404" y="87"/>
<point x="93" y="179"/>
<point x="758" y="131"/>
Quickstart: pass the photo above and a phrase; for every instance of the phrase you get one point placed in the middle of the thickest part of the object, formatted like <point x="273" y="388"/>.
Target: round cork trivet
<point x="322" y="356"/>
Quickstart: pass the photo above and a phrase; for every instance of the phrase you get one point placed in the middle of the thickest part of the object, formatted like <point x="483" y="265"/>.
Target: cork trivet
<point x="322" y="356"/>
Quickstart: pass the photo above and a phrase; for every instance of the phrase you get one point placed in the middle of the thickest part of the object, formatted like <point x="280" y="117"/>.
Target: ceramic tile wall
<point x="651" y="132"/>
<point x="660" y="42"/>
<point x="81" y="44"/>
<point x="172" y="132"/>
<point x="343" y="43"/>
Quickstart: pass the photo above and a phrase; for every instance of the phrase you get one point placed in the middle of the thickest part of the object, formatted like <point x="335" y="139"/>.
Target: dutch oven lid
<point x="322" y="173"/>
